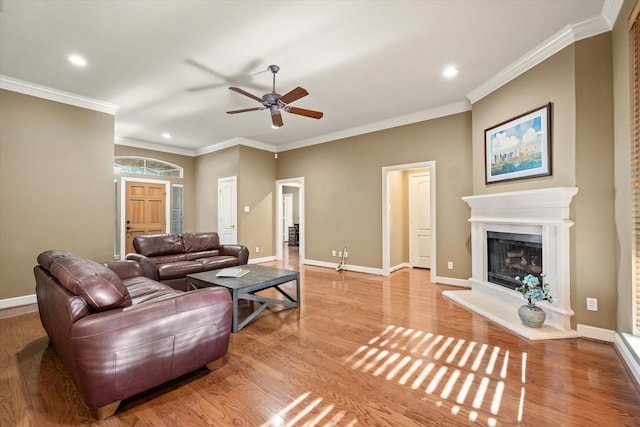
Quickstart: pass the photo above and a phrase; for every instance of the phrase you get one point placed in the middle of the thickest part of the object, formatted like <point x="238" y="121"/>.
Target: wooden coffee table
<point x="258" y="279"/>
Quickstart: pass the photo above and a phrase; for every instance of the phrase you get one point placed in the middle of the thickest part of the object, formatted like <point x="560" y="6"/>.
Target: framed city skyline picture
<point x="520" y="147"/>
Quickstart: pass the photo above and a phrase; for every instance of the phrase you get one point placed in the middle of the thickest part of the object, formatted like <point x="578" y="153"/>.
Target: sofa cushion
<point x="99" y="286"/>
<point x="215" y="263"/>
<point x="195" y="242"/>
<point x="202" y="254"/>
<point x="145" y="290"/>
<point x="179" y="269"/>
<point x="158" y="244"/>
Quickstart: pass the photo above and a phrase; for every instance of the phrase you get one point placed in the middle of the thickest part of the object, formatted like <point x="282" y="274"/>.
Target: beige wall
<point x="622" y="173"/>
<point x="56" y="185"/>
<point x="188" y="179"/>
<point x="577" y="81"/>
<point x="343" y="189"/>
<point x="209" y="168"/>
<point x="256" y="189"/>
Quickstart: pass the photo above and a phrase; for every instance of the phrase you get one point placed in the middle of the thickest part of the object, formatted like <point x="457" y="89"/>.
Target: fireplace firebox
<point x="513" y="254"/>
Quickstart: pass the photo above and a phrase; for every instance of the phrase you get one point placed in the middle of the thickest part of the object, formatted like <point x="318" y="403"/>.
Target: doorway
<point x="144" y="210"/>
<point x="296" y="184"/>
<point x="386" y="212"/>
<point x="228" y="210"/>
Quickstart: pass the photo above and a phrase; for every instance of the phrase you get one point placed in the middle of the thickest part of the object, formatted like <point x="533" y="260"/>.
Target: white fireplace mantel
<point x="543" y="212"/>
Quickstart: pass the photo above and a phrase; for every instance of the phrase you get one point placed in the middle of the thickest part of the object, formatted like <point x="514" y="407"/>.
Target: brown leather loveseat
<point x="119" y="333"/>
<point x="168" y="258"/>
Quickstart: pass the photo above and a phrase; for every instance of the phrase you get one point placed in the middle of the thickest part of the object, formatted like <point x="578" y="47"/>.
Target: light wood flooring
<point x="362" y="350"/>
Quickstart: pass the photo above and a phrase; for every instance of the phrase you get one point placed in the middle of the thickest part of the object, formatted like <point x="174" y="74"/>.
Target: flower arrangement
<point x="532" y="290"/>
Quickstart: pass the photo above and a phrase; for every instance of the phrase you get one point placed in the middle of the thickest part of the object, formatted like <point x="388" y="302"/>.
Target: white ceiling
<point x="366" y="64"/>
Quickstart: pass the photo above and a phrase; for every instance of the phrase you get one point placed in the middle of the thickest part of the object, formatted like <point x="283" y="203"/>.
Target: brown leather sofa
<point x="119" y="333"/>
<point x="168" y="258"/>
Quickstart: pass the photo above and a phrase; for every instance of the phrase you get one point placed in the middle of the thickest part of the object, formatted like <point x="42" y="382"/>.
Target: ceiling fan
<point x="276" y="102"/>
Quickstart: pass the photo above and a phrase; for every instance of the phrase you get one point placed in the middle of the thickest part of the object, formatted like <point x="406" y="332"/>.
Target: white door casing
<point x="288" y="215"/>
<point x="228" y="210"/>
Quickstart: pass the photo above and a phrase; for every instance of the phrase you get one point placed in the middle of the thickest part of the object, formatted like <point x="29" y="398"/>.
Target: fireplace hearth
<point x="514" y="234"/>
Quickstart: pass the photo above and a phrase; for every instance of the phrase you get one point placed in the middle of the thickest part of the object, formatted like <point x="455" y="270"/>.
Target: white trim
<point x="32" y="89"/>
<point x="419" y="116"/>
<point x="348" y="267"/>
<point x="232" y="143"/>
<point x="128" y="142"/>
<point x="18" y="301"/>
<point x="290" y="182"/>
<point x="260" y="260"/>
<point x="554" y="44"/>
<point x="123" y="211"/>
<point x="592" y="332"/>
<point x="629" y="348"/>
<point x="386" y="227"/>
<point x="463" y="283"/>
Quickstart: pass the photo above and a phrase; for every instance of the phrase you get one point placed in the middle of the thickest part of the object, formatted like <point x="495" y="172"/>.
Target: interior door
<point x="420" y="220"/>
<point x="145" y="210"/>
<point x="227" y="210"/>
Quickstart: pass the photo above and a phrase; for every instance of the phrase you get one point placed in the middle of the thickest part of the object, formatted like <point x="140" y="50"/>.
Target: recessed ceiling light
<point x="450" y="71"/>
<point x="166" y="135"/>
<point x="78" y="60"/>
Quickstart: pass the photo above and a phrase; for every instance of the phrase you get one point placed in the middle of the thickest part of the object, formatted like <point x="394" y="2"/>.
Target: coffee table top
<point x="258" y="274"/>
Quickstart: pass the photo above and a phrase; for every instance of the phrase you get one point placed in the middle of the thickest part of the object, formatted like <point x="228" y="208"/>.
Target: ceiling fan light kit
<point x="276" y="102"/>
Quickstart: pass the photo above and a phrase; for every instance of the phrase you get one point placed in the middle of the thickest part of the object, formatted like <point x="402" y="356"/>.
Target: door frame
<point x="123" y="207"/>
<point x="386" y="217"/>
<point x="291" y="182"/>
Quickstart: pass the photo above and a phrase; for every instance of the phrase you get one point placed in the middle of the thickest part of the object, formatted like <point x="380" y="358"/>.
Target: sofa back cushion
<point x="158" y="244"/>
<point x="98" y="285"/>
<point x="197" y="242"/>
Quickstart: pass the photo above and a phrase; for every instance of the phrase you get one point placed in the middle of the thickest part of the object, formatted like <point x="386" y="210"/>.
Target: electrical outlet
<point x="346" y="254"/>
<point x="339" y="253"/>
<point x="592" y="304"/>
<point x="333" y="252"/>
<point x="450" y="265"/>
<point x="257" y="249"/>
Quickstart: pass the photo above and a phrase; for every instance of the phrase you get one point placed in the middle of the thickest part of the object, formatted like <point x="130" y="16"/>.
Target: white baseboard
<point x="586" y="331"/>
<point x="260" y="260"/>
<point x="629" y="348"/>
<point x="463" y="283"/>
<point x="348" y="267"/>
<point x="18" y="301"/>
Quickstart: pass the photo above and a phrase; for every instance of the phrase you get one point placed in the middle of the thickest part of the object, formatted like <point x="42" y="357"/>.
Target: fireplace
<point x="514" y="234"/>
<point x="511" y="255"/>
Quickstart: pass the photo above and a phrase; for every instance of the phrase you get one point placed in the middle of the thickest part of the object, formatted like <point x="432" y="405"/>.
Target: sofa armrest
<point x="122" y="352"/>
<point x="125" y="269"/>
<point x="239" y="251"/>
<point x="148" y="268"/>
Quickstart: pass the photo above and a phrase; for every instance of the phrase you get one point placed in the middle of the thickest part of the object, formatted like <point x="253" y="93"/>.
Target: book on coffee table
<point x="232" y="272"/>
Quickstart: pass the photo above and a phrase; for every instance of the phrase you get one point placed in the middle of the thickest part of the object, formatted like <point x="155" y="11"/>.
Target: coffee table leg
<point x="234" y="326"/>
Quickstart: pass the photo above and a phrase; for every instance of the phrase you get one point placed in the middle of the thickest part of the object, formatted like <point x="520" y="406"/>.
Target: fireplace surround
<point x="533" y="215"/>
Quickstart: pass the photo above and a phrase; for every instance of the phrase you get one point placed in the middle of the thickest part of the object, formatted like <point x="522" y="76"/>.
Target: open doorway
<point x="290" y="191"/>
<point x="388" y="174"/>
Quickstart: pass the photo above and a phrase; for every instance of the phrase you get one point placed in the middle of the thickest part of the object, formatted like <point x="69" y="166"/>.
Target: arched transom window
<point x="146" y="166"/>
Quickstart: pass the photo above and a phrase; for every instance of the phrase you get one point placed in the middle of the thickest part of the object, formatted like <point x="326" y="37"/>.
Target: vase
<point x="531" y="315"/>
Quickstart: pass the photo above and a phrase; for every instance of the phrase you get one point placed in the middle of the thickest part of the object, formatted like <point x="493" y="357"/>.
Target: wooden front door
<point x="145" y="210"/>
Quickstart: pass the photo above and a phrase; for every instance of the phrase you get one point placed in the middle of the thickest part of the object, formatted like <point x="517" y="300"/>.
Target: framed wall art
<point x="520" y="147"/>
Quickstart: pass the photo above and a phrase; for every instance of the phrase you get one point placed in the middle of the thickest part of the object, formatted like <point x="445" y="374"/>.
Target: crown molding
<point x="232" y="143"/>
<point x="44" y="92"/>
<point x="128" y="142"/>
<point x="563" y="38"/>
<point x="420" y="116"/>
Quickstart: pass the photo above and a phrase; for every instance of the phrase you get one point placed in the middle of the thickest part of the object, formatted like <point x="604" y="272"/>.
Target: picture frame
<point x="520" y="147"/>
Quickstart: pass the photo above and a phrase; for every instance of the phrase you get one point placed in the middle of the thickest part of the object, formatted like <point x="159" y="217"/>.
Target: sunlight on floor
<point x="465" y="378"/>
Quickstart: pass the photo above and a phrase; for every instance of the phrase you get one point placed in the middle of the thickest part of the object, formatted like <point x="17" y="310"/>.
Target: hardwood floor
<point x="361" y="350"/>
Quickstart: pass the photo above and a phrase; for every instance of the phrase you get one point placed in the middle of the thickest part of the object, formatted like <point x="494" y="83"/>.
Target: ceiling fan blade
<point x="306" y="113"/>
<point x="245" y="110"/>
<point x="276" y="119"/>
<point x="245" y="93"/>
<point x="295" y="94"/>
